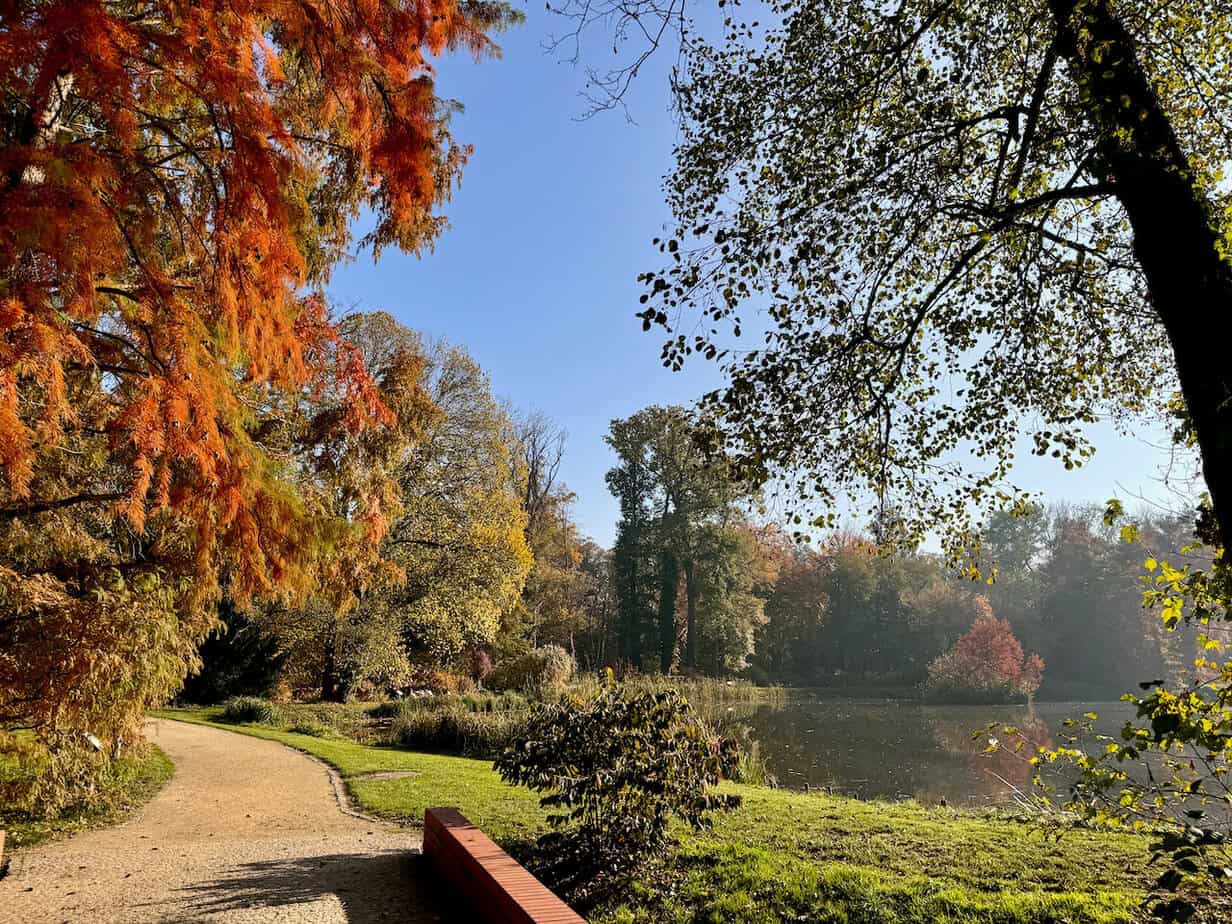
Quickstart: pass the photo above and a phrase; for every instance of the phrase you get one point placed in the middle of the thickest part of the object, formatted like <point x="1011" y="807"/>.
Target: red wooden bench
<point x="498" y="888"/>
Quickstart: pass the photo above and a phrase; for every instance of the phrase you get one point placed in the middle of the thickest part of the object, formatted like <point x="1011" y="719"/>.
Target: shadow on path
<point x="393" y="885"/>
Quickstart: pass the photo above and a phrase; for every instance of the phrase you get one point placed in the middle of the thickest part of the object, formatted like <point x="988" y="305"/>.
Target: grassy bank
<point x="811" y="857"/>
<point x="785" y="856"/>
<point x="130" y="783"/>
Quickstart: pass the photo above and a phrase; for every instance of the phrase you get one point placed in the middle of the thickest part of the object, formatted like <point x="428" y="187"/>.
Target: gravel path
<point x="246" y="831"/>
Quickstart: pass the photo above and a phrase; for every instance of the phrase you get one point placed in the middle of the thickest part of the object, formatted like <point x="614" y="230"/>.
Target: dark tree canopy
<point x="970" y="227"/>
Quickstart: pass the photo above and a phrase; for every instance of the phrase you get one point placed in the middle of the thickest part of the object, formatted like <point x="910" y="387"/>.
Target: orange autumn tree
<point x="176" y="181"/>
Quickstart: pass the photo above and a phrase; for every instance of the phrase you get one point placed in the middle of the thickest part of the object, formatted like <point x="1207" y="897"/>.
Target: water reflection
<point x="893" y="749"/>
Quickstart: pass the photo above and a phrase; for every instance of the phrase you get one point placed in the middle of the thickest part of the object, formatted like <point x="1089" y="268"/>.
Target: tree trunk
<point x="627" y="585"/>
<point x="329" y="670"/>
<point x="669" y="586"/>
<point x="1175" y="234"/>
<point x="40" y="126"/>
<point x="631" y="620"/>
<point x="690" y="625"/>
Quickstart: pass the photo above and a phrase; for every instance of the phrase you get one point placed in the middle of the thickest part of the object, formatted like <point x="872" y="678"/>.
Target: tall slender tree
<point x="633" y="563"/>
<point x="676" y="493"/>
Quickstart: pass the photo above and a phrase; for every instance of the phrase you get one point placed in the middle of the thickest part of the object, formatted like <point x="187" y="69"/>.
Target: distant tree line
<point x="699" y="584"/>
<point x="485" y="561"/>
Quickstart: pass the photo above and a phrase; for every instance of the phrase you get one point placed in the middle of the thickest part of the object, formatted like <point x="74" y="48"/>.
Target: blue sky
<point x="538" y="276"/>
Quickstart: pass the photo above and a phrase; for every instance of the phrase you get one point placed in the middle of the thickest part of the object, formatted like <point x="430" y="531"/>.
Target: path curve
<point x="247" y="831"/>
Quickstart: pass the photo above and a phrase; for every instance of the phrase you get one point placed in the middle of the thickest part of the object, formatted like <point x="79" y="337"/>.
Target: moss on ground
<point x="786" y="856"/>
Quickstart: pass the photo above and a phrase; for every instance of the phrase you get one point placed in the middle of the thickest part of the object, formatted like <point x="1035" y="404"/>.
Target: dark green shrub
<point x="249" y="709"/>
<point x="616" y="768"/>
<point x="237" y="659"/>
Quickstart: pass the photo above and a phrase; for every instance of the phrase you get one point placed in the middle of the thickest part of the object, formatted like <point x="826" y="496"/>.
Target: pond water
<point x="895" y="749"/>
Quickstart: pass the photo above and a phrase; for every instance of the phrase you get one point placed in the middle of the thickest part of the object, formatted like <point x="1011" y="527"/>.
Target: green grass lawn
<point x="795" y="857"/>
<point x="131" y="782"/>
<point x="787" y="856"/>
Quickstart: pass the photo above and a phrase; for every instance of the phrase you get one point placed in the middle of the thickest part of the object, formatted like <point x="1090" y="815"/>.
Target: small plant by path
<point x="129" y="783"/>
<point x="614" y="770"/>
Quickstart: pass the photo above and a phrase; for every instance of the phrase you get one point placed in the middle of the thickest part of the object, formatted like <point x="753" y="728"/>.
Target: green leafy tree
<point x="460" y="542"/>
<point x="971" y="224"/>
<point x="357" y="477"/>
<point x="675" y="501"/>
<point x="735" y="577"/>
<point x="452" y="555"/>
<point x="633" y="562"/>
<point x="462" y="539"/>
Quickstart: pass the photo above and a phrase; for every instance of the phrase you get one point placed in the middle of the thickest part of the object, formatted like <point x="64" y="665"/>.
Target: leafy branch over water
<point x="1167" y="772"/>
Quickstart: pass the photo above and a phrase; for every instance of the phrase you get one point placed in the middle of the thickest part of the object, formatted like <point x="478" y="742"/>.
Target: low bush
<point x="421" y="715"/>
<point x="250" y="709"/>
<point x="507" y="701"/>
<point x="389" y="709"/>
<point x="538" y="671"/>
<point x="698" y="690"/>
<point x="457" y="730"/>
<point x="615" y="768"/>
<point x="444" y="682"/>
<point x="336" y="719"/>
<point x="120" y="786"/>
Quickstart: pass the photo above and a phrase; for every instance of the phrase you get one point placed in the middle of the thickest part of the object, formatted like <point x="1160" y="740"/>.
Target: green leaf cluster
<point x="615" y="769"/>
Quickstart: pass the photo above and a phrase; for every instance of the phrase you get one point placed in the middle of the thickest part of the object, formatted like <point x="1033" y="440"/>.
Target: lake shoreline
<point x="800" y="739"/>
<point x="912" y="694"/>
